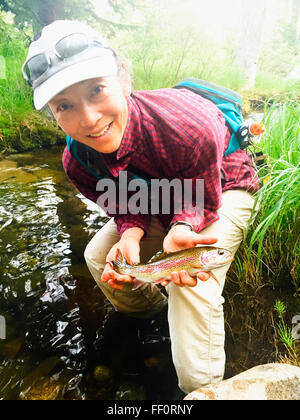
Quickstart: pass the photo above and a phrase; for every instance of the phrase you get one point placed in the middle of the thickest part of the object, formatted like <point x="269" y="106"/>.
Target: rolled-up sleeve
<point x="86" y="184"/>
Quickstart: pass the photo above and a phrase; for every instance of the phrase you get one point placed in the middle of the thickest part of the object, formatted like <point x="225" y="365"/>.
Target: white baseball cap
<point x="67" y="52"/>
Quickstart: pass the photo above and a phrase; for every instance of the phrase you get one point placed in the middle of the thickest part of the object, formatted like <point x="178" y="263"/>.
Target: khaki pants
<point x="195" y="314"/>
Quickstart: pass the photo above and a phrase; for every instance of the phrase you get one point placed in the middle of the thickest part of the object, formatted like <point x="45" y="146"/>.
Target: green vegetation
<point x="266" y="267"/>
<point x="283" y="331"/>
<point x="278" y="217"/>
<point x="21" y="128"/>
<point x="183" y="46"/>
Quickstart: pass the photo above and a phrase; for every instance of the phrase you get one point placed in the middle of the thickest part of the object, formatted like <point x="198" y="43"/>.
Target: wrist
<point x="180" y="225"/>
<point x="134" y="232"/>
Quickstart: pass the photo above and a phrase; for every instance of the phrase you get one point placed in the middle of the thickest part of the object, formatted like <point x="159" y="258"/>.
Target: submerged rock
<point x="12" y="348"/>
<point x="43" y="390"/>
<point x="128" y="390"/>
<point x="273" y="381"/>
<point x="103" y="374"/>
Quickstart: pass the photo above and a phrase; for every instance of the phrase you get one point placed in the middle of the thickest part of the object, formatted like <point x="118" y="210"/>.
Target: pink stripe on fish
<point x="165" y="265"/>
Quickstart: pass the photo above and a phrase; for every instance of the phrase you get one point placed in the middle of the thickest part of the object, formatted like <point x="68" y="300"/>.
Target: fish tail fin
<point x="120" y="260"/>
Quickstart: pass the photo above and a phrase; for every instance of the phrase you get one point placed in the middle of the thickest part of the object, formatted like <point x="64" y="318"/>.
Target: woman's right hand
<point x="129" y="245"/>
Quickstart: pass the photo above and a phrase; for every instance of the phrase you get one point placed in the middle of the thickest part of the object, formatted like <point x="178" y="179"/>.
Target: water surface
<point x="52" y="307"/>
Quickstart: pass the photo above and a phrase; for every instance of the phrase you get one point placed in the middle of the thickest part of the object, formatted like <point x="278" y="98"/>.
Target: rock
<point x="35" y="382"/>
<point x="274" y="381"/>
<point x="103" y="374"/>
<point x="128" y="390"/>
<point x="43" y="390"/>
<point x="12" y="348"/>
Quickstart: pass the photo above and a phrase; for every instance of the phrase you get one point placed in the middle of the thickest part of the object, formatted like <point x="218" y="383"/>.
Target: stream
<point x="50" y="308"/>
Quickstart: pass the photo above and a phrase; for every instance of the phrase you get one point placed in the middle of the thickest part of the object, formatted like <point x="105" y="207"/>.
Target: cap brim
<point x="95" y="67"/>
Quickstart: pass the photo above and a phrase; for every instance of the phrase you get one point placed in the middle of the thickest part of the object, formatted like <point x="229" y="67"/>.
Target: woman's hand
<point x="129" y="245"/>
<point x="181" y="237"/>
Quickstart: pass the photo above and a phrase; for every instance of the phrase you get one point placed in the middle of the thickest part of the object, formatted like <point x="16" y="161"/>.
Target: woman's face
<point x="94" y="112"/>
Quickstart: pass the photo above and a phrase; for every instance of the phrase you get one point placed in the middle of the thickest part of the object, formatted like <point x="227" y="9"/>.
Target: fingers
<point x="114" y="279"/>
<point x="130" y="249"/>
<point x="164" y="281"/>
<point x="114" y="284"/>
<point x="132" y="252"/>
<point x="203" y="276"/>
<point x="205" y="239"/>
<point x="112" y="255"/>
<point x="182" y="278"/>
<point x="178" y="239"/>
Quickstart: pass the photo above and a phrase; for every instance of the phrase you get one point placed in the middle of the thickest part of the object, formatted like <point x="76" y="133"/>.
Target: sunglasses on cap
<point x="65" y="48"/>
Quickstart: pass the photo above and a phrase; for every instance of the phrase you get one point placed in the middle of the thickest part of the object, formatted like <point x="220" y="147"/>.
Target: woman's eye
<point x="63" y="107"/>
<point x="97" y="90"/>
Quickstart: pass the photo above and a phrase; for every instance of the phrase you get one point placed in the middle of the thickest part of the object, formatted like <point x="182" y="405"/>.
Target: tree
<point x="253" y="16"/>
<point x="296" y="19"/>
<point x="38" y="13"/>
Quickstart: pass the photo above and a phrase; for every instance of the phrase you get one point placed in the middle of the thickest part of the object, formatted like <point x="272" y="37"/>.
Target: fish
<point x="161" y="265"/>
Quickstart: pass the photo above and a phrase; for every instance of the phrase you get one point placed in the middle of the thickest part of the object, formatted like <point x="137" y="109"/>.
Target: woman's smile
<point x="102" y="133"/>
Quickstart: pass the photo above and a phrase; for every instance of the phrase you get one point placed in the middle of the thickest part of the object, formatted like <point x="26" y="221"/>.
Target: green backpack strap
<point x="229" y="103"/>
<point x="94" y="163"/>
<point x="72" y="145"/>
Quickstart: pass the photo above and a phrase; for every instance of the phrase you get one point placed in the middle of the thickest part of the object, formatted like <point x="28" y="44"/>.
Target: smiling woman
<point x="160" y="135"/>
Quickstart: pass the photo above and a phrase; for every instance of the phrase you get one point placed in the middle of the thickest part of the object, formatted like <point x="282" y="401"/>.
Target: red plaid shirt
<point x="173" y="133"/>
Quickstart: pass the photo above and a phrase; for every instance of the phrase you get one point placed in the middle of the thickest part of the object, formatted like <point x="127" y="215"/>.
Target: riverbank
<point x="32" y="130"/>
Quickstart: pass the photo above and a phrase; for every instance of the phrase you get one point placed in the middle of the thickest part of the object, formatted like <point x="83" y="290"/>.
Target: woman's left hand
<point x="181" y="237"/>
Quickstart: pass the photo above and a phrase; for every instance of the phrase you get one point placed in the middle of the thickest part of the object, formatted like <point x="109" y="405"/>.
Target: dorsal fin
<point x="160" y="255"/>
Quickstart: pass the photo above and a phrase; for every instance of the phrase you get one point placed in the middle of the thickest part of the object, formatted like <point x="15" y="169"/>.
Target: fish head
<point x="216" y="257"/>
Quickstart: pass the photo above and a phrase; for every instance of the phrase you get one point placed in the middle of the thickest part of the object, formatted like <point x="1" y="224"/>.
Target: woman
<point x="163" y="134"/>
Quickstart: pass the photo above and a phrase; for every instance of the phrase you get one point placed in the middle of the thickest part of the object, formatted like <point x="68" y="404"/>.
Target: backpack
<point x="229" y="103"/>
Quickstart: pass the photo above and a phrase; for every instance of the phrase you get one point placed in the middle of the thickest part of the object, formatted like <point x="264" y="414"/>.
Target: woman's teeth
<point x="101" y="132"/>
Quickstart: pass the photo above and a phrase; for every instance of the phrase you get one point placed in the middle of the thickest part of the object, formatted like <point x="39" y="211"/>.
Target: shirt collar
<point x="133" y="131"/>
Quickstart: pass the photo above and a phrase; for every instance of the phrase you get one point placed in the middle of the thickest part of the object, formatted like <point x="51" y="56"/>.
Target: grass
<point x="274" y="236"/>
<point x="282" y="137"/>
<point x="266" y="266"/>
<point x="284" y="332"/>
<point x="21" y="128"/>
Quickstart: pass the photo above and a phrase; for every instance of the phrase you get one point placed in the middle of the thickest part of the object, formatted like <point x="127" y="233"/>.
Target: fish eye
<point x="221" y="252"/>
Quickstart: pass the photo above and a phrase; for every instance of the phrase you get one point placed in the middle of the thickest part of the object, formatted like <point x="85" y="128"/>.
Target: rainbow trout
<point x="160" y="266"/>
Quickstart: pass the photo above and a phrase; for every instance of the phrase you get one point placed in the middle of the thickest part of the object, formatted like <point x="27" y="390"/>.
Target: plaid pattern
<point x="171" y="134"/>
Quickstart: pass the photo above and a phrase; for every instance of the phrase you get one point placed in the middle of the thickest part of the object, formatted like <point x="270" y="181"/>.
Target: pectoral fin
<point x="136" y="284"/>
<point x="198" y="267"/>
<point x="214" y="277"/>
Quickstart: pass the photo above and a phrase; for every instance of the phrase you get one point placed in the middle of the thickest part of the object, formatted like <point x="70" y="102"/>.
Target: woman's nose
<point x="89" y="115"/>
